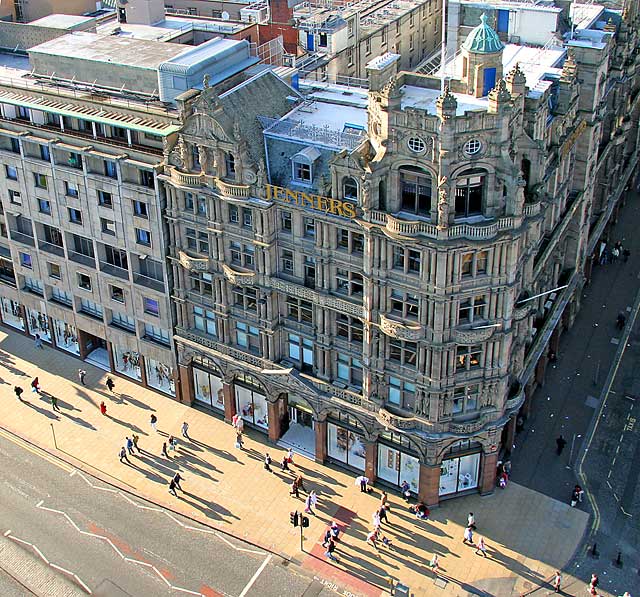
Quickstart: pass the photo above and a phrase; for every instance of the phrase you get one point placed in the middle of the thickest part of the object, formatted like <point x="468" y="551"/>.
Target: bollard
<point x="618" y="561"/>
<point x="594" y="551"/>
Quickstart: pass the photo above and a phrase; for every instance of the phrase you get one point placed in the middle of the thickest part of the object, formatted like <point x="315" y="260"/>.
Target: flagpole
<point x="443" y="46"/>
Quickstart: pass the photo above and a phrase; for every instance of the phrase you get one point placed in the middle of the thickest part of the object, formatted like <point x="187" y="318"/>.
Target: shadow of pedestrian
<point x="135" y="402"/>
<point x="128" y="425"/>
<point x="79" y="421"/>
<point x="42" y="411"/>
<point x="217" y="452"/>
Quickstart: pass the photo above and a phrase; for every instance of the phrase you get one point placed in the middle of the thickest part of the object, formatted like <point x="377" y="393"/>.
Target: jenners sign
<point x="335" y="207"/>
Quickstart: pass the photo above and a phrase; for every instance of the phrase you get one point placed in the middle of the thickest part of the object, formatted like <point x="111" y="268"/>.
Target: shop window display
<point x="12" y="313"/>
<point x="38" y="324"/>
<point x="66" y="336"/>
<point x="459" y="474"/>
<point x="346" y="446"/>
<point x="127" y="362"/>
<point x="160" y="376"/>
<point x="208" y="389"/>
<point x="252" y="406"/>
<point x="395" y="467"/>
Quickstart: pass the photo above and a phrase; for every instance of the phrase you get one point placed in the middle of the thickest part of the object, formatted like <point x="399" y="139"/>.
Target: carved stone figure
<point x="203" y="157"/>
<point x="206" y="80"/>
<point x="443" y="209"/>
<point x="365" y="189"/>
<point x="422" y="404"/>
<point x="260" y="176"/>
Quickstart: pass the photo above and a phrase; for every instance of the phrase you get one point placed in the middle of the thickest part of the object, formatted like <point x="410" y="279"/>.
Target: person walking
<point x="557" y="579"/>
<point x="110" y="384"/>
<point x="481" y="547"/>
<point x="172" y="487"/>
<point x="35" y="385"/>
<point x="406" y="491"/>
<point x="382" y="511"/>
<point x="129" y="445"/>
<point x="471" y="521"/>
<point x="335" y="530"/>
<point x="185" y="431"/>
<point x="38" y="342"/>
<point x="239" y="442"/>
<point x="81" y="375"/>
<point x="375" y="520"/>
<point x="363" y="482"/>
<point x="331" y="547"/>
<point x="290" y="456"/>
<point x="54" y="403"/>
<point x="154" y="422"/>
<point x="176" y="479"/>
<point x="18" y="392"/>
<point x="327" y="538"/>
<point x="164" y="449"/>
<point x="103" y="408"/>
<point x="173" y="442"/>
<point x="468" y="536"/>
<point x="135" y="438"/>
<point x="595" y="581"/>
<point x="434" y="563"/>
<point x="267" y="463"/>
<point x="560" y="444"/>
<point x="310" y="502"/>
<point x="284" y="465"/>
<point x="123" y="455"/>
<point x="372" y="538"/>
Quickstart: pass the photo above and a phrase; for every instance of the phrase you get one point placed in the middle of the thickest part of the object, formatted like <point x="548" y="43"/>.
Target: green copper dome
<point x="483" y="39"/>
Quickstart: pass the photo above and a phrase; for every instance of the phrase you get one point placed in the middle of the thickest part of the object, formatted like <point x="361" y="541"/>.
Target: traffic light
<point x="293" y="517"/>
<point x="305" y="521"/>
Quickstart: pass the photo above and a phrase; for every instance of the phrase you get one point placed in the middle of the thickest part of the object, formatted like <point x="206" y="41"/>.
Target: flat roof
<point x="329" y="116"/>
<point x="338" y="94"/>
<point x="60" y="21"/>
<point x="425" y="99"/>
<point x="115" y="49"/>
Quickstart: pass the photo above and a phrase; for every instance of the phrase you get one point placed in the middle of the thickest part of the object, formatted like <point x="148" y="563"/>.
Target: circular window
<point x="472" y="146"/>
<point x="416" y="144"/>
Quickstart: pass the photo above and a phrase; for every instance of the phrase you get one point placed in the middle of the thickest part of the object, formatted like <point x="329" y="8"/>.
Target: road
<point x="118" y="545"/>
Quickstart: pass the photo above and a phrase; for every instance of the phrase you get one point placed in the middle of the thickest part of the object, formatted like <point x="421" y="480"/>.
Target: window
<point x="147" y="179"/>
<point x="403" y="352"/>
<point x="309" y="271"/>
<point x="242" y="255"/>
<point x="105" y="199"/>
<point x="401" y="393"/>
<point x="143" y="237"/>
<point x="286" y="261"/>
<point x="123" y="321"/>
<point x="286" y="224"/>
<point x="82" y="246"/>
<point x="84" y="281"/>
<point x="350" y="27"/>
<point x="299" y="310"/>
<point x="202" y="283"/>
<point x="91" y="308"/>
<point x="22" y="113"/>
<point x="54" y="271"/>
<point x="415" y="191"/>
<point x="40" y="180"/>
<point x="247" y="218"/>
<point x="245" y="298"/>
<point x="301" y="172"/>
<point x="248" y="336"/>
<point x="416" y="144"/>
<point x="33" y="285"/>
<point x="300" y="351"/>
<point x="205" y="321"/>
<point x="70" y="190"/>
<point x="349" y="370"/>
<point x="151" y="306"/>
<point x="230" y="164"/>
<point x="350" y="189"/>
<point x="117" y="294"/>
<point x="11" y="172"/>
<point x="474" y="264"/>
<point x="44" y="206"/>
<point x="469" y="192"/>
<point x="349" y="56"/>
<point x="367" y="46"/>
<point x="15" y="197"/>
<point x="45" y="154"/>
<point x="202" y="206"/>
<point x="472" y="146"/>
<point x="108" y="226"/>
<point x="75" y="215"/>
<point x="140" y="209"/>
<point x="406" y="260"/>
<point x="384" y="33"/>
<point x="110" y="169"/>
<point x="25" y="260"/>
<point x="472" y="308"/>
<point x="234" y="214"/>
<point x="350" y="328"/>
<point x="75" y="160"/>
<point x="116" y="257"/>
<point x="62" y="297"/>
<point x="404" y="304"/>
<point x="309" y="227"/>
<point x="352" y="242"/>
<point x="152" y="332"/>
<point x="465" y="399"/>
<point x="15" y="145"/>
<point x="197" y="241"/>
<point x="348" y="282"/>
<point x="468" y="357"/>
<point x="188" y="201"/>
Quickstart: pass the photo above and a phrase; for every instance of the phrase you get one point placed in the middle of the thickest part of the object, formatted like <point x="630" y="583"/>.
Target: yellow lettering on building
<point x="336" y="207"/>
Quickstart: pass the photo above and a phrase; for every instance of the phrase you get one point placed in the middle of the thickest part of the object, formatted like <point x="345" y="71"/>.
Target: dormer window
<point x="302" y="165"/>
<point x="350" y="189"/>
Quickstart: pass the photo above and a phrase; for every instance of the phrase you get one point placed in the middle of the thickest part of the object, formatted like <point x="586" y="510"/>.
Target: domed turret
<point x="483" y="39"/>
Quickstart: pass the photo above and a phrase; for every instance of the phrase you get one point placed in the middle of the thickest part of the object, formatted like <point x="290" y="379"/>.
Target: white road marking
<point x="256" y="575"/>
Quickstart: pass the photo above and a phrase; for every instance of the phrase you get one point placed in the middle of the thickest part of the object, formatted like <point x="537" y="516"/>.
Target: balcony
<point x="238" y="278"/>
<point x="82" y="258"/>
<point x="186" y="179"/>
<point x="51" y="248"/>
<point x="193" y="264"/>
<point x="21" y="237"/>
<point x="398" y="329"/>
<point x="114" y="270"/>
<point x="240" y="191"/>
<point x="153" y="283"/>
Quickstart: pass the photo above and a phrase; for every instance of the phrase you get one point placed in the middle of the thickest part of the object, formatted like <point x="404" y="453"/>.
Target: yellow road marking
<point x="37" y="451"/>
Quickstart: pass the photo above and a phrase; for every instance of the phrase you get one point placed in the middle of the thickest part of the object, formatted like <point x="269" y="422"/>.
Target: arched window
<point x="350" y="189"/>
<point x="415" y="191"/>
<point x="470" y="192"/>
<point x="230" y="165"/>
<point x="382" y="196"/>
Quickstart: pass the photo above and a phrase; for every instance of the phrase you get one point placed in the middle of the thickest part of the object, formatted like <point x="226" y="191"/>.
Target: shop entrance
<point x="301" y="434"/>
<point x="96" y="351"/>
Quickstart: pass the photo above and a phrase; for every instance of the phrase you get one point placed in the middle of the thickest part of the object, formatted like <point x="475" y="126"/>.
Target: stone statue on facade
<point x="260" y="176"/>
<point x="422" y="404"/>
<point x="365" y="189"/>
<point x="203" y="157"/>
<point x="443" y="209"/>
<point x="206" y="80"/>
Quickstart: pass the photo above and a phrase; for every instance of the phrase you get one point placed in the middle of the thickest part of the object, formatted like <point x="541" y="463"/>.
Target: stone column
<point x="321" y="441"/>
<point x="510" y="432"/>
<point x="488" y="473"/>
<point x="229" y="397"/>
<point x="274" y="413"/>
<point x="371" y="461"/>
<point x="429" y="485"/>
<point x="82" y="344"/>
<point x="143" y="370"/>
<point x="187" y="391"/>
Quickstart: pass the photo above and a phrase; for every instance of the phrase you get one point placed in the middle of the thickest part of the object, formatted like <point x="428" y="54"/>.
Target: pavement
<point x="589" y="396"/>
<point x="229" y="490"/>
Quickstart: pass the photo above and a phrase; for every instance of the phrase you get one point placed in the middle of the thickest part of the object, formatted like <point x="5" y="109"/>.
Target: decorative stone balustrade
<point x="400" y="330"/>
<point x="193" y="264"/>
<point x="240" y="191"/>
<point x="238" y="278"/>
<point x="186" y="179"/>
<point x="473" y="336"/>
<point x="532" y="209"/>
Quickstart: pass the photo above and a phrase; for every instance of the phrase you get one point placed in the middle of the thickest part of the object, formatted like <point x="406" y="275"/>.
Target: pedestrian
<point x="421" y="510"/>
<point x="595" y="581"/>
<point x="103" y="408"/>
<point x="579" y="492"/>
<point x="154" y="422"/>
<point x="110" y="384"/>
<point x="434" y="563"/>
<point x="267" y="463"/>
<point x="363" y="482"/>
<point x="383" y="513"/>
<point x="560" y="444"/>
<point x="615" y="253"/>
<point x="284" y="465"/>
<point x="290" y="456"/>
<point x="135" y="438"/>
<point x="35" y="385"/>
<point x="176" y="479"/>
<point x="331" y="547"/>
<point x="172" y="487"/>
<point x="129" y="445"/>
<point x="471" y="521"/>
<point x="173" y="442"/>
<point x="123" y="455"/>
<point x="38" y="342"/>
<point x="557" y="579"/>
<point x="406" y="491"/>
<point x="185" y="430"/>
<point x="327" y="538"/>
<point x="481" y="547"/>
<point x="18" y="391"/>
<point x="164" y="449"/>
<point x="335" y="530"/>
<point x="295" y="490"/>
<point x="376" y="520"/>
<point x="625" y="255"/>
<point x="387" y="542"/>
<point x="239" y="442"/>
<point x="81" y="375"/>
<point x="372" y="538"/>
<point x="468" y="536"/>
<point x="310" y="502"/>
<point x="621" y="320"/>
<point x="54" y="403"/>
